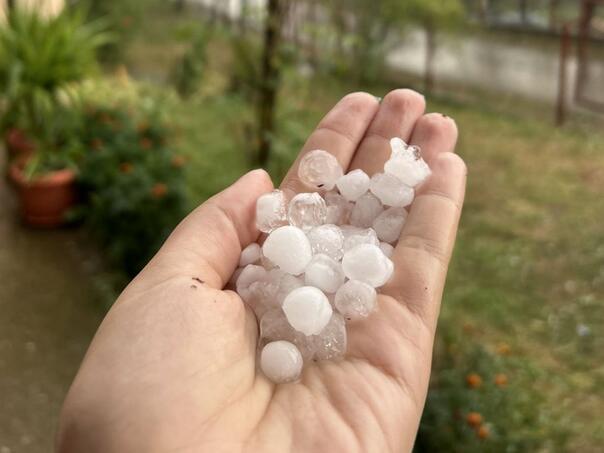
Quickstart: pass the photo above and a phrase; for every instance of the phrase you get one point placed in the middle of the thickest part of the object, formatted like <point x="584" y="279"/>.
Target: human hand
<point x="173" y="365"/>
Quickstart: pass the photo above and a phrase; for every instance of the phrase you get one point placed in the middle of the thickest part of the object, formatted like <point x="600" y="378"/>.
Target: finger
<point x="206" y="245"/>
<point x="434" y="133"/>
<point x="422" y="255"/>
<point x="396" y="117"/>
<point x="338" y="133"/>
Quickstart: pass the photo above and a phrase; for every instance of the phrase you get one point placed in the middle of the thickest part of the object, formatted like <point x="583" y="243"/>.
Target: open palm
<point x="172" y="368"/>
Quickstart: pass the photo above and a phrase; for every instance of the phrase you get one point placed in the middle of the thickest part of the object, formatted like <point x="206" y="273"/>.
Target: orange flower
<point x="473" y="380"/>
<point x="96" y="143"/>
<point x="483" y="432"/>
<point x="145" y="143"/>
<point x="126" y="167"/>
<point x="501" y="380"/>
<point x="474" y="419"/>
<point x="159" y="190"/>
<point x="178" y="161"/>
<point x="503" y="349"/>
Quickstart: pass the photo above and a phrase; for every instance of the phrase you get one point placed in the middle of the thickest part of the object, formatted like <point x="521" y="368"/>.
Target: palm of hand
<point x="172" y="367"/>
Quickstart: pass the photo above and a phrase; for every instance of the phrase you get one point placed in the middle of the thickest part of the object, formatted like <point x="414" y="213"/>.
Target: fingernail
<point x="379" y="99"/>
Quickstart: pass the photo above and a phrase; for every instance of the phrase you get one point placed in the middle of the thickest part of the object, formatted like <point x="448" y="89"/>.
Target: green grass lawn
<point x="528" y="270"/>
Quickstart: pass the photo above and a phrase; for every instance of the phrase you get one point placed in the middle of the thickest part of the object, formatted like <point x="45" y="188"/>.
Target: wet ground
<point x="49" y="312"/>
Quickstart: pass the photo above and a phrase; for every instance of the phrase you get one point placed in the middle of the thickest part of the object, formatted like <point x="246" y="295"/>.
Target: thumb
<point x="206" y="245"/>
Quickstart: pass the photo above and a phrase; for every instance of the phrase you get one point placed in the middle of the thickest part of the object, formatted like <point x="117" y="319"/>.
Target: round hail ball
<point x="289" y="248"/>
<point x="307" y="310"/>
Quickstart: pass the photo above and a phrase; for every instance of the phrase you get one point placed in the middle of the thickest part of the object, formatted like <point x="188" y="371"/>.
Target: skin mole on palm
<point x="170" y="370"/>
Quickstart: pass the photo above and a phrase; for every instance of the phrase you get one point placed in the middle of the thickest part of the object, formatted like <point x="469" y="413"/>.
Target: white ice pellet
<point x="250" y="274"/>
<point x="368" y="264"/>
<point x="353" y="184"/>
<point x="324" y="273"/>
<point x="355" y="299"/>
<point x="366" y="208"/>
<point x="319" y="169"/>
<point x="406" y="163"/>
<point x="307" y="309"/>
<point x="327" y="239"/>
<point x="281" y="361"/>
<point x="389" y="224"/>
<point x="360" y="236"/>
<point x="338" y="209"/>
<point x="275" y="326"/>
<point x="250" y="254"/>
<point x="271" y="211"/>
<point x="331" y="343"/>
<point x="390" y="190"/>
<point x="387" y="249"/>
<point x="307" y="210"/>
<point x="289" y="248"/>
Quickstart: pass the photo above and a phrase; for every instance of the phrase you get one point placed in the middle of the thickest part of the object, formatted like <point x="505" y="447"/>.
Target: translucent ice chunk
<point x="355" y="299"/>
<point x="406" y="163"/>
<point x="289" y="248"/>
<point x="275" y="326"/>
<point x="389" y="224"/>
<point x="327" y="239"/>
<point x="319" y="169"/>
<point x="365" y="210"/>
<point x="307" y="309"/>
<point x="281" y="361"/>
<point x="250" y="274"/>
<point x="353" y="185"/>
<point x="250" y="254"/>
<point x="390" y="190"/>
<point x="307" y="210"/>
<point x="261" y="296"/>
<point x="357" y="236"/>
<point x="368" y="264"/>
<point x="331" y="343"/>
<point x="387" y="249"/>
<point x="324" y="273"/>
<point x="271" y="211"/>
<point x="338" y="209"/>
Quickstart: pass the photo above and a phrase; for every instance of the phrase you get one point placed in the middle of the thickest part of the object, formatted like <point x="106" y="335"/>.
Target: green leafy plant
<point x="40" y="61"/>
<point x="482" y="398"/>
<point x="133" y="183"/>
<point x="189" y="69"/>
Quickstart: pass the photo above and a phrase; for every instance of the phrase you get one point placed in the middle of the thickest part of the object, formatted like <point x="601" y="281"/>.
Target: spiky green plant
<point x="40" y="59"/>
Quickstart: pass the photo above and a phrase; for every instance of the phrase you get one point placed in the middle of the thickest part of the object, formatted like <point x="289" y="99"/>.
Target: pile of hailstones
<point x="324" y="256"/>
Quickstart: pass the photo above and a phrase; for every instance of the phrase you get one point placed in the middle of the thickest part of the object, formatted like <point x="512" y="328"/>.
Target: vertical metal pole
<point x="562" y="77"/>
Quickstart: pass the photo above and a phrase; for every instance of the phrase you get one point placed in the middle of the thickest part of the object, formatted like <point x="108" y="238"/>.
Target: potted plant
<point x="40" y="61"/>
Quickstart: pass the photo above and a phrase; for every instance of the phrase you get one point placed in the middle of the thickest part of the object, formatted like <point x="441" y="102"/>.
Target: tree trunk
<point x="429" y="63"/>
<point x="270" y="78"/>
<point x="553" y="14"/>
<point x="243" y="12"/>
<point x="523" y="6"/>
<point x="179" y="5"/>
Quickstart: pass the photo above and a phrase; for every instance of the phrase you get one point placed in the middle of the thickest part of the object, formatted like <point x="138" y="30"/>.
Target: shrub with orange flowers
<point x="473" y="406"/>
<point x="135" y="194"/>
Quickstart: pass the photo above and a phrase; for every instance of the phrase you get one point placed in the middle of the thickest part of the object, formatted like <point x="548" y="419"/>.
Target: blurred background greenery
<point x="153" y="106"/>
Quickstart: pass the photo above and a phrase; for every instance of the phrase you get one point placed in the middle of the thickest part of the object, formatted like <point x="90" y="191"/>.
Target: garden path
<point x="48" y="315"/>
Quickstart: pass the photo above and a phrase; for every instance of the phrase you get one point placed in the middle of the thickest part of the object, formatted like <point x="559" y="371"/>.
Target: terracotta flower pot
<point x="45" y="199"/>
<point x="17" y="143"/>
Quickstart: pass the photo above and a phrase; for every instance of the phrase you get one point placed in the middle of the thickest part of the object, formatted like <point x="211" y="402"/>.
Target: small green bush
<point x="133" y="183"/>
<point x="482" y="398"/>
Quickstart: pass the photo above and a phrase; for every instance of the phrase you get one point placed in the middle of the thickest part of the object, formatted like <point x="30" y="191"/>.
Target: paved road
<point x="47" y="318"/>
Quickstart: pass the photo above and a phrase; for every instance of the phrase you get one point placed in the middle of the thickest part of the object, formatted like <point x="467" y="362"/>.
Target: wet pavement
<point x="49" y="312"/>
